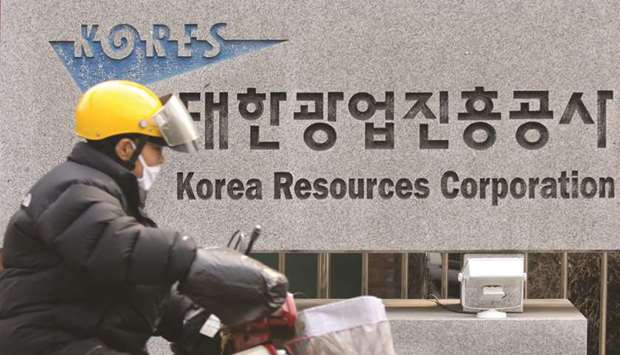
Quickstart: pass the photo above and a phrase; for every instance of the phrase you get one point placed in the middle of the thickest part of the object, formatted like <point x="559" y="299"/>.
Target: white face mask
<point x="149" y="173"/>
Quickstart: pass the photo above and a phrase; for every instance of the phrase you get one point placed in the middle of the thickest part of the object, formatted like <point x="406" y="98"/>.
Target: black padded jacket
<point x="82" y="261"/>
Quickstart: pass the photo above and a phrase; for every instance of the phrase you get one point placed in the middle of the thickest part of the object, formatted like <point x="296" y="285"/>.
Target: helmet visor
<point x="176" y="125"/>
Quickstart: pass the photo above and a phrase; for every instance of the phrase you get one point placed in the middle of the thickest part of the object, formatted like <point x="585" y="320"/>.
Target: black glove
<point x="180" y="323"/>
<point x="234" y="287"/>
<point x="192" y="342"/>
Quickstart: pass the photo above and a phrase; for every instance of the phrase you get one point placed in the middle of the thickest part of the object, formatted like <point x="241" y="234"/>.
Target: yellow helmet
<point x="123" y="107"/>
<point x="116" y="107"/>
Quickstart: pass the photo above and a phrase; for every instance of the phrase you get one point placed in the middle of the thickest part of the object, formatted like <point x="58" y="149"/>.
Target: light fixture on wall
<point x="492" y="284"/>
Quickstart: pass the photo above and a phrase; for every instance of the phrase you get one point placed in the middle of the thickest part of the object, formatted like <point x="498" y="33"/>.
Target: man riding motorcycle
<point x="85" y="270"/>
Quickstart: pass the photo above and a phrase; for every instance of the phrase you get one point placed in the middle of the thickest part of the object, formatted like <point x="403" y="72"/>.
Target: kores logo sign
<point x="123" y="52"/>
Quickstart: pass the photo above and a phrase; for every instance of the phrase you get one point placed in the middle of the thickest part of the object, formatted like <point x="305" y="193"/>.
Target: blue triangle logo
<point x="129" y="56"/>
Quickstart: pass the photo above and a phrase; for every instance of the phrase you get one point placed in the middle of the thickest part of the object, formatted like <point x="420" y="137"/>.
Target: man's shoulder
<point x="65" y="176"/>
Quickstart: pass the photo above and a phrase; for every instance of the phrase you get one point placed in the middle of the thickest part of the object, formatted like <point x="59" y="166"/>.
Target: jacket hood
<point x="84" y="154"/>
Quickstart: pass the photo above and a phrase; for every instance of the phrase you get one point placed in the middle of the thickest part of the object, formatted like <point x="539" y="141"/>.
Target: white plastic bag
<point x="357" y="326"/>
